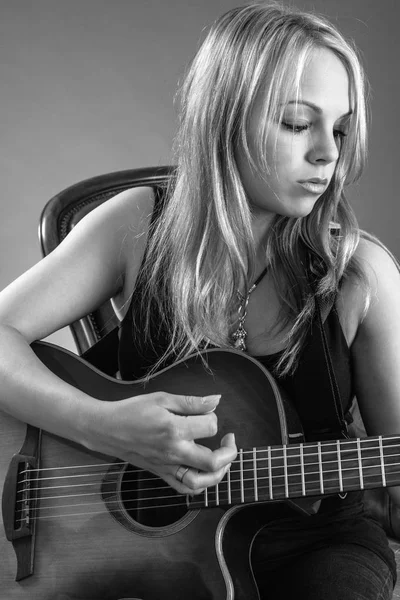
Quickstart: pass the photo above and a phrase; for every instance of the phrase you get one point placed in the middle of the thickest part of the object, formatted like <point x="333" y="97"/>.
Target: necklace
<point x="239" y="336"/>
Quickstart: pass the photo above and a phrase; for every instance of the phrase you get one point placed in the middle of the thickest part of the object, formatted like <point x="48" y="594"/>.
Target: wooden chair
<point x="96" y="335"/>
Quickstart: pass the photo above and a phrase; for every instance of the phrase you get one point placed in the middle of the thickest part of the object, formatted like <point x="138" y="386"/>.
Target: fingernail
<point x="213" y="398"/>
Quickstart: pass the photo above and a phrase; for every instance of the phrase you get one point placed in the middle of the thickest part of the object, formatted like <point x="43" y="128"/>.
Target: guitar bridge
<point x="19" y="502"/>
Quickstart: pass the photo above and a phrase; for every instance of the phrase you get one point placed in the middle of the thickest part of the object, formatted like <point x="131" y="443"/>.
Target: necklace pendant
<point x="240" y="345"/>
<point x="239" y="338"/>
<point x="240" y="335"/>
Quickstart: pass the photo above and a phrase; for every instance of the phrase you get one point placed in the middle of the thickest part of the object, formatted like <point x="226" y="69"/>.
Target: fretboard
<point x="307" y="469"/>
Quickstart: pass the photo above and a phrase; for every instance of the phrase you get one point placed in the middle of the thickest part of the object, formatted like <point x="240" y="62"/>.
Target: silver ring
<point x="181" y="472"/>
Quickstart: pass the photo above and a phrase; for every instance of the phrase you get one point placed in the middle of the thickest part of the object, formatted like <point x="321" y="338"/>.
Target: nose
<point x="324" y="148"/>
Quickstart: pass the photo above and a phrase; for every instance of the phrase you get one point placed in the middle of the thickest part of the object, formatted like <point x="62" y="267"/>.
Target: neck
<point x="260" y="226"/>
<point x="261" y="222"/>
<point x="310" y="469"/>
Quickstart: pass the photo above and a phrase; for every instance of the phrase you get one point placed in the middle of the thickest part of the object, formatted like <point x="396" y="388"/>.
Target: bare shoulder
<point x="378" y="262"/>
<point x="360" y="301"/>
<point x="127" y="217"/>
<point x="125" y="212"/>
<point x="382" y="274"/>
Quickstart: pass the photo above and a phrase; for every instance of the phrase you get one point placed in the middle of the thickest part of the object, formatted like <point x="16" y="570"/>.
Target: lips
<point x="314" y="185"/>
<point x="316" y="180"/>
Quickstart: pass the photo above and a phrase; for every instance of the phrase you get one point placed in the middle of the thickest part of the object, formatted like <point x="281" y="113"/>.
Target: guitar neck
<point x="306" y="469"/>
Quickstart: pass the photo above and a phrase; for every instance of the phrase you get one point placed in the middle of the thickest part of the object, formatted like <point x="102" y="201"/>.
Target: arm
<point x="376" y="346"/>
<point x="95" y="262"/>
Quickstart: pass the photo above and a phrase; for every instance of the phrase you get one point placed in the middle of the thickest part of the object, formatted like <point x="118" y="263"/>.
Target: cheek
<point x="283" y="155"/>
<point x="289" y="150"/>
<point x="289" y="160"/>
<point x="282" y="165"/>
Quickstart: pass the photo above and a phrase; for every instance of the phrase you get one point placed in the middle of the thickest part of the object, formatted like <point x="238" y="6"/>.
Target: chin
<point x="300" y="209"/>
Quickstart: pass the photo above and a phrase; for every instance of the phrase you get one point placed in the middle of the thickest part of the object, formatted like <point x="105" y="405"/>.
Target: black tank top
<point x="309" y="387"/>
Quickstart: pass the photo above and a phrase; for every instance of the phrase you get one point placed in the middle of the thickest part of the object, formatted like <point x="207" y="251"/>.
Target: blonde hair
<point x="201" y="249"/>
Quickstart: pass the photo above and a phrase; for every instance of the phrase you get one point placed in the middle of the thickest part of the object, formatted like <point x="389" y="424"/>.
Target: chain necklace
<point x="239" y="336"/>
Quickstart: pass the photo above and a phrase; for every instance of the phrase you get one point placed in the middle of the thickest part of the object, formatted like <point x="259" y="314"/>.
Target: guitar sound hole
<point x="149" y="500"/>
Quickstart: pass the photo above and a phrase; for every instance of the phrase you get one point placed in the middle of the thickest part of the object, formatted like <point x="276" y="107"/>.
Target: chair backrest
<point x="65" y="209"/>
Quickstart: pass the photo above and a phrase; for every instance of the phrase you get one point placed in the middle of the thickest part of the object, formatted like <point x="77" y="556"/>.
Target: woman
<point x="273" y="127"/>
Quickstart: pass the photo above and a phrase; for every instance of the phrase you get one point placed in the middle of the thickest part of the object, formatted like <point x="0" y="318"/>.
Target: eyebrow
<point x="316" y="108"/>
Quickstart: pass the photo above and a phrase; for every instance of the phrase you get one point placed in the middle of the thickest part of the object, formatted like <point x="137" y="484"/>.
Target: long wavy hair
<point x="201" y="248"/>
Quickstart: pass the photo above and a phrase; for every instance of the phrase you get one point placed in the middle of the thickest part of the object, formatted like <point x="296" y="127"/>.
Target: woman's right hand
<point x="157" y="432"/>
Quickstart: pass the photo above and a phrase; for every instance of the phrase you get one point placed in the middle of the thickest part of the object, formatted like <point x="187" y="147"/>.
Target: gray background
<point x="87" y="88"/>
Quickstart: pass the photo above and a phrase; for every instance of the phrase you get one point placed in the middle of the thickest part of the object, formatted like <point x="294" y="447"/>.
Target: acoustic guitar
<point x="84" y="526"/>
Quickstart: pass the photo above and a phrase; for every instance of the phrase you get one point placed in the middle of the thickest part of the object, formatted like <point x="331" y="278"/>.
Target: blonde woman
<point x="272" y="130"/>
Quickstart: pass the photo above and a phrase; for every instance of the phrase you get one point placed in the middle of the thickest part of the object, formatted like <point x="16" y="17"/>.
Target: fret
<point x="303" y="480"/>
<point x="350" y="464"/>
<point x="321" y="475"/>
<point x="236" y="480"/>
<point x="360" y="464"/>
<point x="217" y="494"/>
<point x="255" y="474"/>
<point x="371" y="462"/>
<point x="241" y="476"/>
<point x="276" y="473"/>
<point x="320" y="468"/>
<point x="229" y="487"/>
<point x="294" y="482"/>
<point x="285" y="471"/>
<point x="339" y="465"/>
<point x="206" y="497"/>
<point x="271" y="493"/>
<point x="391" y="456"/>
<point x="382" y="461"/>
<point x="310" y="461"/>
<point x="279" y="469"/>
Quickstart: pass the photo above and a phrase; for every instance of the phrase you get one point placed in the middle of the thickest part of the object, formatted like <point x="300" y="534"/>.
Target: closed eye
<point x="295" y="128"/>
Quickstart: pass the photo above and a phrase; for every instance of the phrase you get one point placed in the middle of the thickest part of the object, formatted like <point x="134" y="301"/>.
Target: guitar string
<point x="211" y="502"/>
<point x="259" y="469"/>
<point x="30" y="489"/>
<point x="235" y="462"/>
<point x="225" y="483"/>
<point x="233" y="488"/>
<point x="159" y="489"/>
<point x="282" y="449"/>
<point x="276" y="492"/>
<point x="156" y="478"/>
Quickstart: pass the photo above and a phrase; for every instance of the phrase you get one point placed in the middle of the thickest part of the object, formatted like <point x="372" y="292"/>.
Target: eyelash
<point x="297" y="129"/>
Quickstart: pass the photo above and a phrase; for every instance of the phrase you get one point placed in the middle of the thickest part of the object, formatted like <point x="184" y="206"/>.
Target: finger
<point x="196" y="427"/>
<point x="229" y="440"/>
<point x="193" y="482"/>
<point x="225" y="454"/>
<point x="196" y="481"/>
<point x="204" y="459"/>
<point x="189" y="405"/>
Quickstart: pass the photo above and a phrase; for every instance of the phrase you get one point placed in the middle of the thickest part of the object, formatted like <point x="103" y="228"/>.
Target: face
<point x="304" y="146"/>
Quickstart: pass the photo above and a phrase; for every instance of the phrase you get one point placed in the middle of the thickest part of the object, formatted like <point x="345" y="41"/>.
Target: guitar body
<point x="95" y="540"/>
